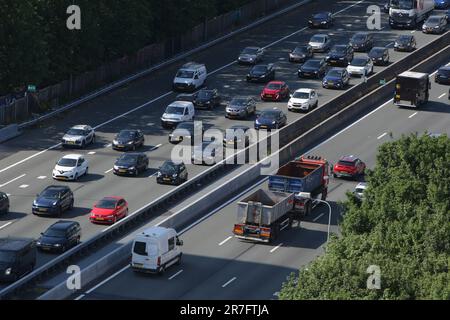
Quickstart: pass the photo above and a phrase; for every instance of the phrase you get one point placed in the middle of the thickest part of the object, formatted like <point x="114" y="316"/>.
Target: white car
<point x="303" y="99"/>
<point x="78" y="136"/>
<point x="70" y="167"/>
<point x="359" y="190"/>
<point x="361" y="66"/>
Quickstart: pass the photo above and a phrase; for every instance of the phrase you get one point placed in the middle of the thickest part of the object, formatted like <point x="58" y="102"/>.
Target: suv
<point x="240" y="108"/>
<point x="190" y="77"/>
<point x="303" y="99"/>
<point x="340" y="54"/>
<point x="349" y="166"/>
<point x="172" y="173"/>
<point x="60" y="236"/>
<point x="78" y="136"/>
<point x="336" y="78"/>
<point x="17" y="258"/>
<point x="362" y="41"/>
<point x="4" y="203"/>
<point x="53" y="201"/>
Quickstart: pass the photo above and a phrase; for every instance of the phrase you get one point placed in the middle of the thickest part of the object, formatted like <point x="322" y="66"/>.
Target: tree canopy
<point x="402" y="226"/>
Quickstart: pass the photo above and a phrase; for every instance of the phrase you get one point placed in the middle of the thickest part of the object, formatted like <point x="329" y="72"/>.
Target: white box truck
<point x="155" y="249"/>
<point x="409" y="13"/>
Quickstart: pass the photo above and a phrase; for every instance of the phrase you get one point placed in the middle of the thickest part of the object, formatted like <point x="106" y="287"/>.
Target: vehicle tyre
<point x="75" y="178"/>
<point x="134" y="147"/>
<point x="87" y="171"/>
<point x="114" y="220"/>
<point x="78" y="241"/>
<point x="83" y="144"/>
<point x="162" y="270"/>
<point x="179" y="259"/>
<point x="71" y="205"/>
<point x="63" y="249"/>
<point x="60" y="211"/>
<point x="136" y="172"/>
<point x="93" y="139"/>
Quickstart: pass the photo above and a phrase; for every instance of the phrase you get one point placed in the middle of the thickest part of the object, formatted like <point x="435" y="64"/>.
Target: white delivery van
<point x="156" y="249"/>
<point x="190" y="77"/>
<point x="177" y="112"/>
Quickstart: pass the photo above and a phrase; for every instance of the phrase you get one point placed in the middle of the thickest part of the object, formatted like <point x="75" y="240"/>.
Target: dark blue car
<point x="53" y="201"/>
<point x="336" y="78"/>
<point x="321" y="20"/>
<point x="270" y="119"/>
<point x="441" y="4"/>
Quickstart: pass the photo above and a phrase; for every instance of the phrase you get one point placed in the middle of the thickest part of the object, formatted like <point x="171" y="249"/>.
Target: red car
<point x="109" y="210"/>
<point x="275" y="91"/>
<point x="349" y="166"/>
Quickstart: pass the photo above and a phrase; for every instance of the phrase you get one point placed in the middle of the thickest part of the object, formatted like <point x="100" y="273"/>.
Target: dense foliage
<point x="37" y="48"/>
<point x="403" y="227"/>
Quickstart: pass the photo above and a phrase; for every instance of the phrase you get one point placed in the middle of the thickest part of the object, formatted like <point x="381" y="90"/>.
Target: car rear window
<point x="140" y="248"/>
<point x="346" y="163"/>
<point x="444" y="72"/>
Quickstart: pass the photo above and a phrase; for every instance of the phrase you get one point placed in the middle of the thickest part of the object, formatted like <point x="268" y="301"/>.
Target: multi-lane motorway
<point x="27" y="161"/>
<point x="218" y="266"/>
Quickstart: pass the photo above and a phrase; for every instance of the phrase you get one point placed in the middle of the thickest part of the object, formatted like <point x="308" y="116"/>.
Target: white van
<point x="155" y="249"/>
<point x="177" y="112"/>
<point x="190" y="77"/>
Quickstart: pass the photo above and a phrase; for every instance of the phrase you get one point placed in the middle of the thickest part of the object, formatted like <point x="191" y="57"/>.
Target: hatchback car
<point x="240" y="107"/>
<point x="405" y="42"/>
<point x="70" y="167"/>
<point x="236" y="137"/>
<point x="131" y="164"/>
<point x="250" y="55"/>
<point x="362" y="41"/>
<point x="270" y="119"/>
<point x="435" y="24"/>
<point x="443" y="75"/>
<point x="301" y="53"/>
<point x="78" y="136"/>
<point x="207" y="99"/>
<point x="340" y="54"/>
<point x="313" y="68"/>
<point x="320" y="43"/>
<point x="321" y="20"/>
<point x="261" y="73"/>
<point x="336" y="78"/>
<point x="4" y="203"/>
<point x="360" y="66"/>
<point x="60" y="236"/>
<point x="186" y="130"/>
<point x="109" y="210"/>
<point x="172" y="173"/>
<point x="275" y="91"/>
<point x="349" y="166"/>
<point x="379" y="56"/>
<point x="128" y="140"/>
<point x="53" y="200"/>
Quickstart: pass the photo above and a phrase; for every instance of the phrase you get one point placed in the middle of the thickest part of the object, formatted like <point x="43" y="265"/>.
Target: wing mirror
<point x="179" y="242"/>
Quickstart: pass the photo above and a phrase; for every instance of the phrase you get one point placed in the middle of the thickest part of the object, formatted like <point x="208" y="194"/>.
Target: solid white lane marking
<point x="109" y="170"/>
<point x="413" y="115"/>
<point x="442" y="95"/>
<point x="413" y="31"/>
<point x="156" y="147"/>
<point x="276" y="294"/>
<point x="11" y="181"/>
<point x="276" y="248"/>
<point x="42" y="177"/>
<point x="230" y="281"/>
<point x="382" y="136"/>
<point x="318" y="217"/>
<point x="107" y="279"/>
<point x="91" y="153"/>
<point x="5" y="225"/>
<point x="176" y="274"/>
<point x="224" y="241"/>
<point x="24" y="186"/>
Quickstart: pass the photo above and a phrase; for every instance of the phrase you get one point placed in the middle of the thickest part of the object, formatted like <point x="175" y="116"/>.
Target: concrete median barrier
<point x="9" y="132"/>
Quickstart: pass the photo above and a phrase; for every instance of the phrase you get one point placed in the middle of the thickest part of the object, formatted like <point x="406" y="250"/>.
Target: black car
<point x="4" y="203"/>
<point x="321" y="20"/>
<point x="186" y="130"/>
<point x="172" y="173"/>
<point x="386" y="7"/>
<point x="236" y="137"/>
<point x="207" y="98"/>
<point x="313" y="68"/>
<point x="379" y="55"/>
<point x="301" y="53"/>
<point x="340" y="54"/>
<point x="362" y="41"/>
<point x="443" y="75"/>
<point x="405" y="42"/>
<point x="128" y="140"/>
<point x="54" y="200"/>
<point x="261" y="73"/>
<point x="17" y="258"/>
<point x="60" y="236"/>
<point x="270" y="119"/>
<point x="131" y="164"/>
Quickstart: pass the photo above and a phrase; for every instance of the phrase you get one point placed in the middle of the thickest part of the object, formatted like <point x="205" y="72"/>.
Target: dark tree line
<point x="37" y="48"/>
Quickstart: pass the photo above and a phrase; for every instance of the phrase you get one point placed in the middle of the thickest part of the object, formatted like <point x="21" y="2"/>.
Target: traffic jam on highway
<point x="98" y="172"/>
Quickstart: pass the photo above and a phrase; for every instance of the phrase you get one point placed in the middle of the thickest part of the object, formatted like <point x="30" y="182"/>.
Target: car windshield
<point x="433" y="20"/>
<point x="376" y="52"/>
<point x="106" y="204"/>
<point x="338" y="49"/>
<point x="175" y="110"/>
<point x="168" y="167"/>
<point x="320" y="39"/>
<point x="358" y="38"/>
<point x="259" y="69"/>
<point x="359" y="190"/>
<point x="312" y="64"/>
<point x="204" y="94"/>
<point x="54" y="233"/>
<point x="334" y="73"/>
<point x="128" y="158"/>
<point x="64" y="162"/>
<point x="444" y="72"/>
<point x="403" y="39"/>
<point x="300" y="50"/>
<point x="301" y="95"/>
<point x="126" y="134"/>
<point x="249" y="51"/>
<point x="346" y="163"/>
<point x="402" y="4"/>
<point x="270" y="114"/>
<point x="238" y="102"/>
<point x="76" y="132"/>
<point x="359" y="62"/>
<point x="7" y="256"/>
<point x="320" y="15"/>
<point x="50" y="194"/>
<point x="185" y="74"/>
<point x="274" y="86"/>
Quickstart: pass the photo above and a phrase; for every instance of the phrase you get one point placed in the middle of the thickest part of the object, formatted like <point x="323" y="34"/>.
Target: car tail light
<point x="238" y="229"/>
<point x="265" y="232"/>
<point x="159" y="261"/>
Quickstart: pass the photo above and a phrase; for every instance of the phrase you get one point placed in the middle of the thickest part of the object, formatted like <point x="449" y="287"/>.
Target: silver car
<point x="320" y="43"/>
<point x="250" y="55"/>
<point x="240" y="108"/>
<point x="435" y="24"/>
<point x="78" y="136"/>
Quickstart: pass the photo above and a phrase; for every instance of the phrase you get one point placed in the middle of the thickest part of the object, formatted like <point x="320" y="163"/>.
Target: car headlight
<point x="35" y="203"/>
<point x="436" y="27"/>
<point x="38" y="243"/>
<point x="274" y="122"/>
<point x="8" y="271"/>
<point x="131" y="142"/>
<point x="327" y="57"/>
<point x="57" y="245"/>
<point x="159" y="174"/>
<point x="55" y="203"/>
<point x="132" y="168"/>
<point x="116" y="168"/>
<point x="115" y="142"/>
<point x="323" y="22"/>
<point x="174" y="175"/>
<point x="310" y="21"/>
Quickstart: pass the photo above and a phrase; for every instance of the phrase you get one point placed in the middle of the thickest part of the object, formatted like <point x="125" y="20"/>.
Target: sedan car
<point x="131" y="164"/>
<point x="435" y="24"/>
<point x="349" y="166"/>
<point x="53" y="200"/>
<point x="405" y="42"/>
<point x="303" y="100"/>
<point x="320" y="43"/>
<point x="321" y="20"/>
<point x="109" y="210"/>
<point x="207" y="98"/>
<point x="208" y="153"/>
<point x="60" y="236"/>
<point x="379" y="55"/>
<point x="443" y="75"/>
<point x="250" y="55"/>
<point x="313" y="68"/>
<point x="4" y="203"/>
<point x="186" y="130"/>
<point x="70" y="167"/>
<point x="360" y="66"/>
<point x="336" y="78"/>
<point x="270" y="119"/>
<point x="240" y="107"/>
<point x="172" y="173"/>
<point x="275" y="91"/>
<point x="301" y="53"/>
<point x="340" y="54"/>
<point x="78" y="136"/>
<point x="362" y="41"/>
<point x="128" y="140"/>
<point x="261" y="73"/>
<point x="236" y="137"/>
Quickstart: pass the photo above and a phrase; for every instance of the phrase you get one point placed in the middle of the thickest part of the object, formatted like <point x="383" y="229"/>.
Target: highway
<point x="27" y="161"/>
<point x="218" y="266"/>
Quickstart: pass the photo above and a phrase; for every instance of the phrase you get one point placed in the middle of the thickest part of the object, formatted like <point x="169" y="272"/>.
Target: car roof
<point x="337" y="69"/>
<point x="57" y="188"/>
<point x="350" y="158"/>
<point x="181" y="104"/>
<point x="13" y="244"/>
<point x="304" y="90"/>
<point x="63" y="224"/>
<point x="155" y="231"/>
<point x="81" y="126"/>
<point x="72" y="156"/>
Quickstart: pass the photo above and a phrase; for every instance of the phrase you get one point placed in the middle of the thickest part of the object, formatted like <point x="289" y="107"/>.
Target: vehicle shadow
<point x="91" y="177"/>
<point x="12" y="215"/>
<point x="75" y="212"/>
